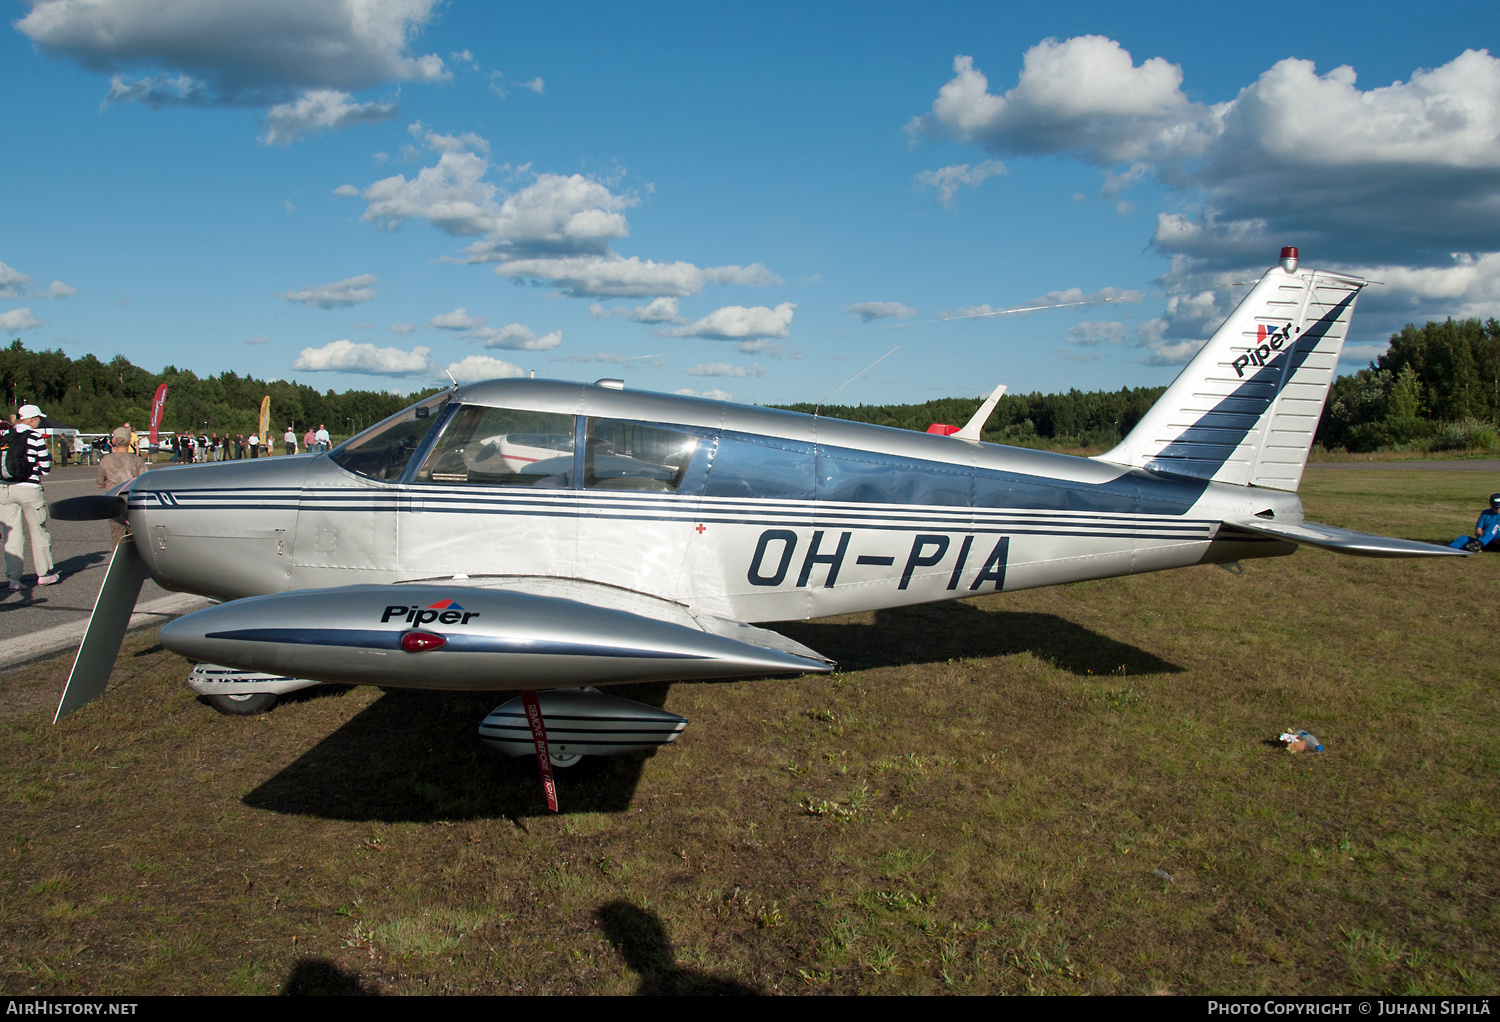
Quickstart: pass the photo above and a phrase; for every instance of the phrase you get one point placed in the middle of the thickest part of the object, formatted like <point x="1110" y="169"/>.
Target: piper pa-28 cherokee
<point x="555" y="537"/>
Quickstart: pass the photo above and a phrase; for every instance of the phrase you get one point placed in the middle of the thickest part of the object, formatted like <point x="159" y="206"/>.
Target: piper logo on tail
<point x="444" y="612"/>
<point x="1266" y="342"/>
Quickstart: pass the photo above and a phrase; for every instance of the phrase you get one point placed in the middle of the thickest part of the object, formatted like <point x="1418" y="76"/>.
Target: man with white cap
<point x="21" y="500"/>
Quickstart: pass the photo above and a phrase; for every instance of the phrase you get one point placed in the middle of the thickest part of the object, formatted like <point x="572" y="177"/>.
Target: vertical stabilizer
<point x="1247" y="406"/>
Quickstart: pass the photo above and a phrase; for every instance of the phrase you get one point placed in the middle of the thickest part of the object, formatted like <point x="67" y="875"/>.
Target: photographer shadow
<point x="641" y="938"/>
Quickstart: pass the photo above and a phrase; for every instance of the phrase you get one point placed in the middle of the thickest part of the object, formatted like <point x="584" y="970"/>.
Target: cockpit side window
<point x="620" y="455"/>
<point x="502" y="447"/>
<point x="382" y="451"/>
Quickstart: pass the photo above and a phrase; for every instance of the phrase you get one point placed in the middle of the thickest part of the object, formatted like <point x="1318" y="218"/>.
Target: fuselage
<point x="748" y="513"/>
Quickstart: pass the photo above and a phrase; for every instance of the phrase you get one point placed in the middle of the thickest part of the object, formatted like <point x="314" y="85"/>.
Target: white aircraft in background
<point x="557" y="537"/>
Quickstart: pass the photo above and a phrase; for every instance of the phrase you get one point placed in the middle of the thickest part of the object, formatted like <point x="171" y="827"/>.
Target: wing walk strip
<point x="577" y="504"/>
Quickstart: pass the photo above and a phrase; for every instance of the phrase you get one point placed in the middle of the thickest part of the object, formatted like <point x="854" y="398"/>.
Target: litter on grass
<point x="1297" y="740"/>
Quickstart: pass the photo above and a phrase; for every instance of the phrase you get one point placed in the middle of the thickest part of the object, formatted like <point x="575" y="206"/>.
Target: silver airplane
<point x="557" y="537"/>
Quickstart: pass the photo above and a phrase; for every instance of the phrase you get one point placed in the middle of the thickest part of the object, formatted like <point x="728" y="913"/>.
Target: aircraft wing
<point x="482" y="634"/>
<point x="1340" y="541"/>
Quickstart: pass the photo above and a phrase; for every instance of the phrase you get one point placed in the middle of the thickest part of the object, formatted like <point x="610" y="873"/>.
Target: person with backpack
<point x="27" y="460"/>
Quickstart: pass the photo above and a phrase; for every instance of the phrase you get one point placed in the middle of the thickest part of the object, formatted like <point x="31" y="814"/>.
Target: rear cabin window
<point x="502" y="447"/>
<point x="773" y="469"/>
<point x="620" y="455"/>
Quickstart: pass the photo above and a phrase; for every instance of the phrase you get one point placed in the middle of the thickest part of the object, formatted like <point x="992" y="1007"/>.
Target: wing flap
<point x="1341" y="541"/>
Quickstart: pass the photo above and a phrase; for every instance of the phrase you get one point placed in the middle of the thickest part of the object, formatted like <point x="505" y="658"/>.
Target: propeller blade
<point x="94" y="507"/>
<point x="106" y="631"/>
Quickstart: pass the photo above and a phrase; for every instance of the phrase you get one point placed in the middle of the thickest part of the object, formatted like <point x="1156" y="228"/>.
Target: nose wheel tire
<point x="245" y="705"/>
<point x="564" y="760"/>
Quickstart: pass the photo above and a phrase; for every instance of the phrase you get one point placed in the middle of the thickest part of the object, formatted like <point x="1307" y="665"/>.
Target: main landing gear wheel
<point x="246" y="705"/>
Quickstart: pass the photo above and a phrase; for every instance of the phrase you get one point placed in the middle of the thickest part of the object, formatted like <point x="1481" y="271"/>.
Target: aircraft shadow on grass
<point x="415" y="756"/>
<point x="937" y="631"/>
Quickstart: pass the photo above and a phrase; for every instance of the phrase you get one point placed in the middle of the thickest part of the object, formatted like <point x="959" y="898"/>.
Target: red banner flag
<point x="158" y="406"/>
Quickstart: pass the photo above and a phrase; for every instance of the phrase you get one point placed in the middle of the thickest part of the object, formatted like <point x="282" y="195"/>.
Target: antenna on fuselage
<point x="851" y="379"/>
<point x="450" y="377"/>
<point x="971" y="430"/>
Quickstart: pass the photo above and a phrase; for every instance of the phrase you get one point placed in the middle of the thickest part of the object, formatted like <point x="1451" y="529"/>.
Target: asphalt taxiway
<point x="42" y="621"/>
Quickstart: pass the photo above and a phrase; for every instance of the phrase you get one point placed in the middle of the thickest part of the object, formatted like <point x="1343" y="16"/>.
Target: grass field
<point x="1069" y="790"/>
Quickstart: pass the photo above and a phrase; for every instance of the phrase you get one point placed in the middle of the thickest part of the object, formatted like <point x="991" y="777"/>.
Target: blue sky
<point x="754" y="200"/>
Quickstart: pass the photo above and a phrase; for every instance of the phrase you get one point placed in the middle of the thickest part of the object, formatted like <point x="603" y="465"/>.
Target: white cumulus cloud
<point x="947" y="180"/>
<point x="1095" y="332"/>
<point x="458" y="319"/>
<point x="736" y="322"/>
<point x="340" y="294"/>
<point x="346" y="356"/>
<point x="868" y="312"/>
<point x="555" y="230"/>
<point x="1399" y="182"/>
<point x="251" y="52"/>
<point x="482" y="367"/>
<point x="452" y="196"/>
<point x="661" y="310"/>
<point x="517" y="337"/>
<point x="514" y="336"/>
<point x="1083" y="95"/>
<point x="713" y="395"/>
<point x="18" y="319"/>
<point x="319" y="110"/>
<point x="13" y="283"/>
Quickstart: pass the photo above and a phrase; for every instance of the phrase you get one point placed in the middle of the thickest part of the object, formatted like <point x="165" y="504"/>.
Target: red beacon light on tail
<point x="1289" y="258"/>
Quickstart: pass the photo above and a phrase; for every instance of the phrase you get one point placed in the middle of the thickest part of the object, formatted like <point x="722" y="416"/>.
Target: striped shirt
<point x="39" y="455"/>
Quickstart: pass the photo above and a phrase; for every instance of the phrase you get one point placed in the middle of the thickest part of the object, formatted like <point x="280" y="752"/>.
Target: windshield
<point x="382" y="451"/>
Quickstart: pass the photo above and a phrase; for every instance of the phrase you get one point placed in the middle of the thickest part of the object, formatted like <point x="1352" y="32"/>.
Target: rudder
<point x="1246" y="408"/>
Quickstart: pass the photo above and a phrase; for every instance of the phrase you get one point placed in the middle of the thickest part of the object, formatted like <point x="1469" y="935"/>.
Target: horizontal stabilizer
<point x="1340" y="541"/>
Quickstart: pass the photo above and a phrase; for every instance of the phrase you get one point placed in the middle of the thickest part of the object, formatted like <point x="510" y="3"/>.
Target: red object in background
<point x="158" y="406"/>
<point x="943" y="429"/>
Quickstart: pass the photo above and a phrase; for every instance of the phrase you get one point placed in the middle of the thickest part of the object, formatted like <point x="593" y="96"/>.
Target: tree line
<point x="1095" y="418"/>
<point x="1436" y="388"/>
<point x="94" y="396"/>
